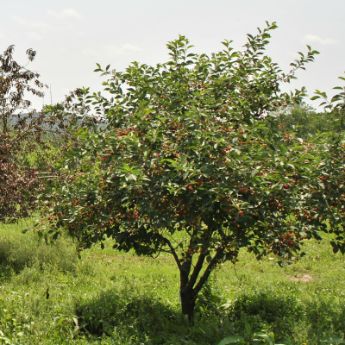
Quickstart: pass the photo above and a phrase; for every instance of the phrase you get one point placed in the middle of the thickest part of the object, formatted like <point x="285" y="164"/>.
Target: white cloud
<point x="112" y="50"/>
<point x="35" y="36"/>
<point x="127" y="48"/>
<point x="66" y="13"/>
<point x="35" y="25"/>
<point x="36" y="30"/>
<point x="325" y="41"/>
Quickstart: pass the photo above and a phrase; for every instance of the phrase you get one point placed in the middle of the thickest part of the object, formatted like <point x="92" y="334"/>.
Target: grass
<point x="49" y="296"/>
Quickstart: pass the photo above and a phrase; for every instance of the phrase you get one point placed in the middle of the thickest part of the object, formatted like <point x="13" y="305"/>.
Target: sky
<point x="70" y="37"/>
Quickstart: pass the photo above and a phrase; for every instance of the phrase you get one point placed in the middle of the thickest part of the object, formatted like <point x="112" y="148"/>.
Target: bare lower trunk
<point x="193" y="277"/>
<point x="188" y="298"/>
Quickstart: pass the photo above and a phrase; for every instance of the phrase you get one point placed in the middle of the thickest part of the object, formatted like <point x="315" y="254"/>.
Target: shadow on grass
<point x="292" y="320"/>
<point x="148" y="321"/>
<point x="144" y="319"/>
<point x="100" y="316"/>
<point x="280" y="312"/>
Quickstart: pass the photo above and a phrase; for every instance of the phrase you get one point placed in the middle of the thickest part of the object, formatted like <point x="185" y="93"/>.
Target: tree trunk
<point x="188" y="298"/>
<point x="4" y="125"/>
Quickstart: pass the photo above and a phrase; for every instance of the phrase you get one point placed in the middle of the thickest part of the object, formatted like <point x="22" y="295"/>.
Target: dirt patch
<point x="303" y="278"/>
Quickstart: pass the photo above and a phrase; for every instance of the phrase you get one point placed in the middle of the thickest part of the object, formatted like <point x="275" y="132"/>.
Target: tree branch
<point x="197" y="268"/>
<point x="208" y="270"/>
<point x="201" y="258"/>
<point x="173" y="252"/>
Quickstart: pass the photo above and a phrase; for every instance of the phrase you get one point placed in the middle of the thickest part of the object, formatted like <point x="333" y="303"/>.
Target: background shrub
<point x="18" y="251"/>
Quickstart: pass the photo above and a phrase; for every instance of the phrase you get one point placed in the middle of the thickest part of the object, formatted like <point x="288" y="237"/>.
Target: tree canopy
<point x="192" y="162"/>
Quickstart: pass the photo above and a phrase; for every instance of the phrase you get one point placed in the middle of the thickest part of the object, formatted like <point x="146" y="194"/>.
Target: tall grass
<point x="49" y="296"/>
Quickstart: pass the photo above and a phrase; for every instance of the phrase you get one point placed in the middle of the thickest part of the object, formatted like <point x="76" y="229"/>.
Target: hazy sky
<point x="71" y="36"/>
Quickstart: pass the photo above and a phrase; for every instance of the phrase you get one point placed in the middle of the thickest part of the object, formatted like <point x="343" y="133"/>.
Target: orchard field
<point x="49" y="296"/>
<point x="190" y="202"/>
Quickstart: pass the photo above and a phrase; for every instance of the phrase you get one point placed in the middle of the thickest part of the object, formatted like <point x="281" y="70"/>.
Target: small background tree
<point x="329" y="191"/>
<point x="19" y="130"/>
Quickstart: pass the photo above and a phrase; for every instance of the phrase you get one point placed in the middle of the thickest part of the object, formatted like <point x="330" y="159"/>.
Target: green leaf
<point x="131" y="177"/>
<point x="236" y="340"/>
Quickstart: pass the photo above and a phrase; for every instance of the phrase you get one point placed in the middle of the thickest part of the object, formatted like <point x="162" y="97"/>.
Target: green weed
<point x="48" y="296"/>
